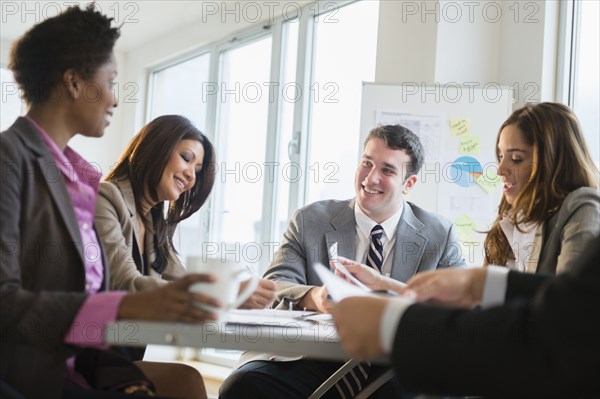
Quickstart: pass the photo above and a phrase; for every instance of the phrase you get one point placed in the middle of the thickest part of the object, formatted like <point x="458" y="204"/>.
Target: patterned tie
<point x="355" y="380"/>
<point x="375" y="256"/>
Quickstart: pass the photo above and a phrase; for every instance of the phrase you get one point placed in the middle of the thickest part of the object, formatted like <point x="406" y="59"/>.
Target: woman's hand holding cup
<point x="172" y="302"/>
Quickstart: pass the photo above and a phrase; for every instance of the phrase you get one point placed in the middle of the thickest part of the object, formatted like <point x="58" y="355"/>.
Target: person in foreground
<point x="168" y="160"/>
<point x="53" y="275"/>
<point x="536" y="336"/>
<point x="397" y="238"/>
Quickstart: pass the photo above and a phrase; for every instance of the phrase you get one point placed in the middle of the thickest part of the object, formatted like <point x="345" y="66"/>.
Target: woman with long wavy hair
<point x="550" y="208"/>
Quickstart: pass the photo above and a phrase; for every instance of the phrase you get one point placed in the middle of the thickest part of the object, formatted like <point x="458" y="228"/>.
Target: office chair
<point x="335" y="377"/>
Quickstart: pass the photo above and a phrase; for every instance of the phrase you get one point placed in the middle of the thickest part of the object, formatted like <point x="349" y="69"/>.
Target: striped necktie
<point x="355" y="380"/>
<point x="375" y="256"/>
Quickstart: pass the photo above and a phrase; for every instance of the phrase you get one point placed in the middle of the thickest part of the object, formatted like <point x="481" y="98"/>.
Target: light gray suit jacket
<point x="424" y="241"/>
<point x="570" y="231"/>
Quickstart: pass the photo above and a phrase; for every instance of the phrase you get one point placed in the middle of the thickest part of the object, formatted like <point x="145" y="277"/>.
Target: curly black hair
<point x="81" y="39"/>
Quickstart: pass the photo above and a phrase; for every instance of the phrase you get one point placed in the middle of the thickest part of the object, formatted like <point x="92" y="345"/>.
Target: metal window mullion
<point x="272" y="142"/>
<point x="208" y="219"/>
<point x="302" y="110"/>
<point x="575" y="50"/>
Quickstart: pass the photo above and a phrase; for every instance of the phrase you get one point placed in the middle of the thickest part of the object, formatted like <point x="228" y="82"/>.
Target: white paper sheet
<point x="337" y="288"/>
<point x="333" y="257"/>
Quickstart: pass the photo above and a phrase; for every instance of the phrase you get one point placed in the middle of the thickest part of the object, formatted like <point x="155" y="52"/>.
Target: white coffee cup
<point x="230" y="275"/>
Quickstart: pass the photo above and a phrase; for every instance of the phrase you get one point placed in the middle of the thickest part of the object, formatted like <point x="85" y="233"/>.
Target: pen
<point x="385" y="292"/>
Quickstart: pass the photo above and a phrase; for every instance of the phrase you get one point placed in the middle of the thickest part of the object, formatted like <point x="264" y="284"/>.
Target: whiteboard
<point x="441" y="187"/>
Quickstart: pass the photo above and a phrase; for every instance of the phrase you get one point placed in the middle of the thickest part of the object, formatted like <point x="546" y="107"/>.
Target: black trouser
<point x="294" y="379"/>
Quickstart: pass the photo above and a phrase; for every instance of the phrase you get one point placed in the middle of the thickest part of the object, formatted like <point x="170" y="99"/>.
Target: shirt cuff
<point x="494" y="290"/>
<point x="389" y="322"/>
<point x="88" y="326"/>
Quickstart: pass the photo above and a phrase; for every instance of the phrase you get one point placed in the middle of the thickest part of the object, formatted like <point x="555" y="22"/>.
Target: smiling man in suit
<point x="377" y="227"/>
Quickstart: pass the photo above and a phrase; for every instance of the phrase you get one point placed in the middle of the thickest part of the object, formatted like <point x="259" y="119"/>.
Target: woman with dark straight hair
<point x="171" y="161"/>
<point x="168" y="160"/>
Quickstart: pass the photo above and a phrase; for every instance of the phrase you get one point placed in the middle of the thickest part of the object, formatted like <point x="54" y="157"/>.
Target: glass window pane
<point x="12" y="106"/>
<point x="586" y="102"/>
<point x="178" y="89"/>
<point x="289" y="97"/>
<point x="241" y="137"/>
<point x="344" y="57"/>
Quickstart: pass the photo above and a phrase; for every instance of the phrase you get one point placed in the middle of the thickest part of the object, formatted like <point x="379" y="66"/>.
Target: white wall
<point x="486" y="42"/>
<point x="406" y="44"/>
<point x="468" y="42"/>
<point x="4" y="49"/>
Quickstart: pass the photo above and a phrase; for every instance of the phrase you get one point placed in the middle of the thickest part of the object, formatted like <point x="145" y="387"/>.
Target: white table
<point x="284" y="337"/>
<point x="280" y="336"/>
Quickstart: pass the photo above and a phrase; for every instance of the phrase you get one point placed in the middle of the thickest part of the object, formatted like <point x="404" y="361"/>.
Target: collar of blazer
<point x="410" y="245"/>
<point x="126" y="190"/>
<point x="344" y="234"/>
<point x="32" y="140"/>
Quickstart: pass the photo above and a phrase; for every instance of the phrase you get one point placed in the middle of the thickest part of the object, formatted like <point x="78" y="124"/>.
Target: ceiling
<point x="144" y="21"/>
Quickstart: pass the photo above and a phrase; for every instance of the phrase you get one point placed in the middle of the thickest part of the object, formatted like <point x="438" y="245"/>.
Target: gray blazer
<point x="570" y="231"/>
<point x="42" y="275"/>
<point x="118" y="229"/>
<point x="424" y="241"/>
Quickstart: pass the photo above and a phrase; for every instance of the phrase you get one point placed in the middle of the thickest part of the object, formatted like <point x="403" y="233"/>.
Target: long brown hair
<point x="561" y="164"/>
<point x="143" y="163"/>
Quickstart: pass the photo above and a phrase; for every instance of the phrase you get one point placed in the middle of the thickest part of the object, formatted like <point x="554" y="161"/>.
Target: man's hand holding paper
<point x="351" y="271"/>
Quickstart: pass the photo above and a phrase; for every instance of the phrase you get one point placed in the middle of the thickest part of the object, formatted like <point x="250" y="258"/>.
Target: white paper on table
<point x="271" y="317"/>
<point x="338" y="288"/>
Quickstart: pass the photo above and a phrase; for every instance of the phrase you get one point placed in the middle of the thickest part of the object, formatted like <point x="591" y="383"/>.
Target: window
<point x="179" y="89"/>
<point x="281" y="103"/>
<point x="579" y="81"/>
<point x="241" y="137"/>
<point x="343" y="58"/>
<point x="286" y="101"/>
<point x="12" y="106"/>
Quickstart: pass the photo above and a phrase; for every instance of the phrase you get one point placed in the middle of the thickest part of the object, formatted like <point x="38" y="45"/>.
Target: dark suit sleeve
<point x="524" y="285"/>
<point x="546" y="346"/>
<point x="37" y="318"/>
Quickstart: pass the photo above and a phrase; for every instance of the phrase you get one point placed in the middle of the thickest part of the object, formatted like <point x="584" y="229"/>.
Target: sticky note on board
<point x="460" y="126"/>
<point x="465" y="227"/>
<point x="469" y="144"/>
<point x="488" y="180"/>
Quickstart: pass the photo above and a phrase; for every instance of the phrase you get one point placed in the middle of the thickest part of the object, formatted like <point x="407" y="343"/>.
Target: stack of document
<point x="277" y="318"/>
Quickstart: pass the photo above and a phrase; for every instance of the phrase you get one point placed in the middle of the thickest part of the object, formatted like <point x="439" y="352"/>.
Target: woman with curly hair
<point x="54" y="305"/>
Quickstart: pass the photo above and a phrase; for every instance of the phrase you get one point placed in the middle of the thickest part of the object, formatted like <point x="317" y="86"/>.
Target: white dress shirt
<point x="525" y="242"/>
<point x="364" y="225"/>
